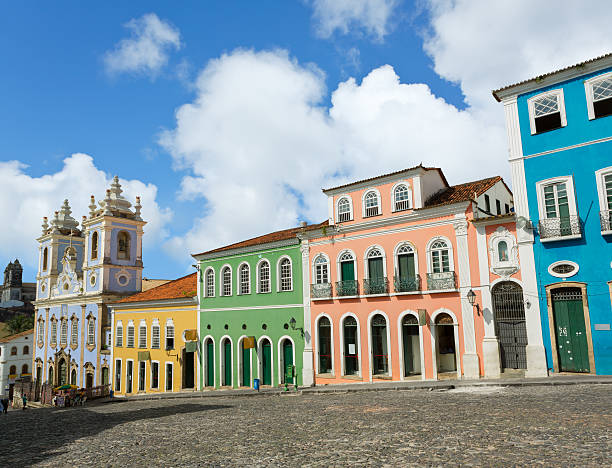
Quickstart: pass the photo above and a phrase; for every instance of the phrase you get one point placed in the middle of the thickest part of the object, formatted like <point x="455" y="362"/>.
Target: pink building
<point x="390" y="277"/>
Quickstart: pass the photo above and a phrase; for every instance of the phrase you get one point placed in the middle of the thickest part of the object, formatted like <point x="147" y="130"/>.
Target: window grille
<point x="245" y="280"/>
<point x="374" y="253"/>
<point x="155" y="337"/>
<point x="440" y="261"/>
<point x="130" y="336"/>
<point x="264" y="277"/>
<point x="54" y="331"/>
<point x="602" y="97"/>
<point x="371" y="204"/>
<point x="405" y="249"/>
<point x="545" y="105"/>
<point x="119" y="338"/>
<point x="402" y="200"/>
<point x="321" y="270"/>
<point x="210" y="283"/>
<point x="285" y="275"/>
<point x="608" y="190"/>
<point x="74" y="335"/>
<point x="344" y="210"/>
<point x="227" y="281"/>
<point x="91" y="332"/>
<point x="346" y="257"/>
<point x="563" y="268"/>
<point x="142" y="336"/>
<point x="169" y="336"/>
<point x="546" y="113"/>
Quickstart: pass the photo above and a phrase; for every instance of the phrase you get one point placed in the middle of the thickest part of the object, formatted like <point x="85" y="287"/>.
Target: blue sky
<point x="61" y="96"/>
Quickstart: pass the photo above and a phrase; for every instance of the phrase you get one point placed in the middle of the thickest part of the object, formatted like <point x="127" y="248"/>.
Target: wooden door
<point x="266" y="364"/>
<point x="210" y="364"/>
<point x="287" y="359"/>
<point x="246" y="366"/>
<point x="227" y="362"/>
<point x="570" y="330"/>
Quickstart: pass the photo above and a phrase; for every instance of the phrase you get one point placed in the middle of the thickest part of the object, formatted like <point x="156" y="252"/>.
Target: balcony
<point x="406" y="283"/>
<point x="321" y="291"/>
<point x="376" y="286"/>
<point x="605" y="218"/>
<point x="569" y="227"/>
<point x="441" y="281"/>
<point x="347" y="288"/>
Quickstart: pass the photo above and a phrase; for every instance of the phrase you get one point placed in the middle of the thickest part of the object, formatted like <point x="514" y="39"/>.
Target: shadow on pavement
<point x="31" y="436"/>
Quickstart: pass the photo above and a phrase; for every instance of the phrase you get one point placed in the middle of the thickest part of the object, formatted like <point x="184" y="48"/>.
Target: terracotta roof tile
<point x="6" y="339"/>
<point x="177" y="289"/>
<point x="267" y="238"/>
<point x="461" y="192"/>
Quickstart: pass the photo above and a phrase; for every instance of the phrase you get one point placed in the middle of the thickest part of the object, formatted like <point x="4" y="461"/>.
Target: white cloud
<point x="261" y="145"/>
<point x="371" y="16"/>
<point x="24" y="200"/>
<point x="146" y="50"/>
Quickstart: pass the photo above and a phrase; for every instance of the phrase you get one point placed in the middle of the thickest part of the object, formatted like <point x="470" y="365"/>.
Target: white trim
<point x="588" y="90"/>
<point x="258" y="289"/>
<point x="222" y="281"/>
<point x="366" y="272"/>
<point x="316" y="343"/>
<point x="240" y="362"/>
<point x="278" y="273"/>
<point x="508" y="267"/>
<point x="313" y="267"/>
<point x="563" y="275"/>
<point x="239" y="278"/>
<point x="369" y="323"/>
<point x="260" y="359"/>
<point x="393" y="204"/>
<point x="414" y="252"/>
<point x="434" y="341"/>
<point x="281" y="358"/>
<point x="205" y="362"/>
<point x="151" y="375"/>
<point x="155" y="323"/>
<point x="400" y="341"/>
<point x="570" y="147"/>
<point x="222" y="363"/>
<point x="279" y="306"/>
<point x="339" y="267"/>
<point x="206" y="282"/>
<point x="505" y="280"/>
<point x="379" y="202"/>
<point x="351" y="212"/>
<point x="558" y="93"/>
<point x="601" y="189"/>
<point x="115" y="375"/>
<point x="144" y="384"/>
<point x="142" y="324"/>
<point x="449" y="244"/>
<point x="357" y="345"/>
<point x="125" y="392"/>
<point x="571" y="195"/>
<point x="166" y="376"/>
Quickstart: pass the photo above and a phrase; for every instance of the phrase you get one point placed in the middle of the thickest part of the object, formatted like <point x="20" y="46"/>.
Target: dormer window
<point x="344" y="210"/>
<point x="94" y="246"/>
<point x="401" y="198"/>
<point x="371" y="204"/>
<point x="547" y="112"/>
<point x="599" y="96"/>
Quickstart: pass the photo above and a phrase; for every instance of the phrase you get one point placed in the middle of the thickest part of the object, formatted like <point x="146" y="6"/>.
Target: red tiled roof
<point x="462" y="192"/>
<point x="390" y="174"/>
<point x="267" y="238"/>
<point x="177" y="289"/>
<point x="6" y="339"/>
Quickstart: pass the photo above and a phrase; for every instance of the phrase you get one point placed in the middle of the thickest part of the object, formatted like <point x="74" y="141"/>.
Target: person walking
<point x="5" y="405"/>
<point x="2" y="405"/>
<point x="24" y="399"/>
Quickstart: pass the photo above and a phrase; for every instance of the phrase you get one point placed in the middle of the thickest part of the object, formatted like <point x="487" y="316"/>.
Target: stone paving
<point x="492" y="426"/>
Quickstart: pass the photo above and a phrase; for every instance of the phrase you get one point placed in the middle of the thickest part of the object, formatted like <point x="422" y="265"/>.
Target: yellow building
<point x="155" y="339"/>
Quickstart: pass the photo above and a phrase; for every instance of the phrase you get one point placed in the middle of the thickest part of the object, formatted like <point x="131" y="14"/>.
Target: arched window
<point x="119" y="337"/>
<point x="24" y="369"/>
<point x="226" y="278"/>
<point x="380" y="353"/>
<point x="344" y="210"/>
<point x="41" y="331"/>
<point x="130" y="335"/>
<point x="13" y="370"/>
<point x="401" y="198"/>
<point x="73" y="377"/>
<point x="347" y="286"/>
<point x="94" y="245"/>
<point x="285" y="275"/>
<point x="325" y="343"/>
<point x="440" y="261"/>
<point x="155" y="335"/>
<point x="264" y="277"/>
<point x="26" y="350"/>
<point x="74" y="340"/>
<point x="64" y="332"/>
<point x="405" y="269"/>
<point x="210" y="282"/>
<point x="45" y="259"/>
<point x="142" y="334"/>
<point x="14" y="351"/>
<point x="371" y="204"/>
<point x="321" y="270"/>
<point x="245" y="279"/>
<point x="169" y="334"/>
<point x="54" y="331"/>
<point x="350" y="346"/>
<point x="91" y="331"/>
<point x="376" y="282"/>
<point x="123" y="245"/>
<point x="502" y="251"/>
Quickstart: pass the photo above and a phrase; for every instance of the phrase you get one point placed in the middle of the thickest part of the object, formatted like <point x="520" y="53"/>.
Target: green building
<point x="254" y="315"/>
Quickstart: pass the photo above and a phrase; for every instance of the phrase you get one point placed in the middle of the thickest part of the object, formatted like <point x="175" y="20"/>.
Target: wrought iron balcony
<point x="560" y="227"/>
<point x="605" y="217"/>
<point x="347" y="288"/>
<point x="443" y="280"/>
<point x="407" y="283"/>
<point x="321" y="290"/>
<point x="376" y="286"/>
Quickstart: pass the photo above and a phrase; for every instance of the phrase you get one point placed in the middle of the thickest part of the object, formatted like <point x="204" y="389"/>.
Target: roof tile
<point x="461" y="192"/>
<point x="177" y="289"/>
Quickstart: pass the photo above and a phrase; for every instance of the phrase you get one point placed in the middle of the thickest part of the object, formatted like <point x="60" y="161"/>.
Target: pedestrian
<point x="24" y="398"/>
<point x="2" y="405"/>
<point x="5" y="404"/>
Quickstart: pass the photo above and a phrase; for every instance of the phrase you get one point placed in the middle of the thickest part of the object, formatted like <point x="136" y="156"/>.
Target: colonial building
<point x="404" y="278"/>
<point x="15" y="361"/>
<point x="81" y="270"/>
<point x="560" y="144"/>
<point x="16" y="296"/>
<point x="252" y="322"/>
<point x="155" y="342"/>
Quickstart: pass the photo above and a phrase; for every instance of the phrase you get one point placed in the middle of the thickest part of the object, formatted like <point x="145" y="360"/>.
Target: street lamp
<point x="292" y="324"/>
<point x="471" y="297"/>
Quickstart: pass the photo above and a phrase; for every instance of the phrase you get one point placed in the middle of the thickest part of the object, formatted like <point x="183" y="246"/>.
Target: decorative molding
<point x="503" y="268"/>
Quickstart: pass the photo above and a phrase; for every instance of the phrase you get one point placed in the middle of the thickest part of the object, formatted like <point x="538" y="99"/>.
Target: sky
<point x="228" y="117"/>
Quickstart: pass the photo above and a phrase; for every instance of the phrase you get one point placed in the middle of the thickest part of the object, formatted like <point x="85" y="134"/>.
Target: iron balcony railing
<point x="442" y="280"/>
<point x="347" y="288"/>
<point x="560" y="227"/>
<point x="321" y="290"/>
<point x="407" y="283"/>
<point x="605" y="217"/>
<point x="376" y="286"/>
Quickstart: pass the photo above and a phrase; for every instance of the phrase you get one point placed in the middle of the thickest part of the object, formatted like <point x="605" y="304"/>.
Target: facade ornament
<point x="107" y="204"/>
<point x="503" y="253"/>
<point x="460" y="227"/>
<point x="137" y="208"/>
<point x="92" y="206"/>
<point x="45" y="225"/>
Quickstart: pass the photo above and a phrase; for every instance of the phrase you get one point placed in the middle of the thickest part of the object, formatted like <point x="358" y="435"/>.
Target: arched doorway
<point x="226" y="347"/>
<point x="245" y="362"/>
<point x="350" y="346"/>
<point x="570" y="330"/>
<point x="286" y="360"/>
<point x="510" y="328"/>
<point x="62" y="369"/>
<point x="210" y="363"/>
<point x="265" y="359"/>
<point x="446" y="347"/>
<point x="89" y="380"/>
<point x="73" y="377"/>
<point x="411" y="346"/>
<point x="380" y="352"/>
<point x="324" y="346"/>
<point x="105" y="376"/>
<point x="50" y="379"/>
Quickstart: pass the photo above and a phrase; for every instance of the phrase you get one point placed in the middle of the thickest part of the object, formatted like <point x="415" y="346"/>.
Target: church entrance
<point x="62" y="369"/>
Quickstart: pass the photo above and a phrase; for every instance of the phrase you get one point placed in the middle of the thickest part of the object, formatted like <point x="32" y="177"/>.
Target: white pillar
<point x="307" y="358"/>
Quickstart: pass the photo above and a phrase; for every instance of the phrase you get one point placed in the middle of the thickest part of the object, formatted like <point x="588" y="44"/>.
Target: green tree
<point x="20" y="323"/>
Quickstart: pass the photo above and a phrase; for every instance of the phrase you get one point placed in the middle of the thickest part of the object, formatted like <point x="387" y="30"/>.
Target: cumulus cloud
<point x="260" y="145"/>
<point x="25" y="200"/>
<point x="344" y="16"/>
<point x="147" y="49"/>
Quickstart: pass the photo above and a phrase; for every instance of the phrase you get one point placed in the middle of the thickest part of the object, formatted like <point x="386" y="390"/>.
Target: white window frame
<point x="41" y="330"/>
<point x="63" y="331"/>
<point x="279" y="284"/>
<point x="357" y="345"/>
<point x="370" y="340"/>
<point x="206" y="291"/>
<point x="563" y="275"/>
<point x="393" y="202"/>
<point x="314" y="267"/>
<point x="53" y="337"/>
<point x="91" y="337"/>
<point x="151" y="375"/>
<point x="339" y="266"/>
<point x="318" y="350"/>
<point x="169" y="324"/>
<point x="449" y="244"/>
<point x="74" y="326"/>
<point x="118" y="382"/>
<point x="142" y="343"/>
<point x="222" y="280"/>
<point x="601" y="188"/>
<point x="351" y="211"/>
<point x="558" y="93"/>
<point x="588" y="90"/>
<point x="366" y="257"/>
<point x="259" y="263"/>
<point x="571" y="195"/>
<point x="130" y="326"/>
<point x="363" y="204"/>
<point x="239" y="278"/>
<point x="118" y="343"/>
<point x="396" y="254"/>
<point x="155" y="325"/>
<point x="166" y="376"/>
<point x="144" y="384"/>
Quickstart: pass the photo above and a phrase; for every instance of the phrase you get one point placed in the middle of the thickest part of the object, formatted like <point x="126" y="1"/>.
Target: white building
<point x="15" y="360"/>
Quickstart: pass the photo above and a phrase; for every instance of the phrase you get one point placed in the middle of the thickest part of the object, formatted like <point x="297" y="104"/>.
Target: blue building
<point x="560" y="140"/>
<point x="81" y="270"/>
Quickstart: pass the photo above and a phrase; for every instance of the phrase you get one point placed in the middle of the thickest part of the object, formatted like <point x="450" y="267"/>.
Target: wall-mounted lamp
<point x="292" y="323"/>
<point x="471" y="297"/>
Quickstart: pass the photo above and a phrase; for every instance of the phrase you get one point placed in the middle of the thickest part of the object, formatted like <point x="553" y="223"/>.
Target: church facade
<point x="81" y="270"/>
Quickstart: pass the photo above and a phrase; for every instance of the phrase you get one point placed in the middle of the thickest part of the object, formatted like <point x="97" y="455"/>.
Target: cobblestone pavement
<point x="568" y="426"/>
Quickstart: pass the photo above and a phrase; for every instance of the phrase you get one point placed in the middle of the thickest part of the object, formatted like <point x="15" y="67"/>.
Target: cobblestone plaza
<point x="493" y="426"/>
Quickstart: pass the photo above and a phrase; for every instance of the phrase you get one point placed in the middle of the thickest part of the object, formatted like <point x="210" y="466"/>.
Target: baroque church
<point x="82" y="268"/>
<point x="15" y="296"/>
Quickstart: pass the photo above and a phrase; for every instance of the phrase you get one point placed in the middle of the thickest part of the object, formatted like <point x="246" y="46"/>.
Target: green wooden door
<point x="266" y="364"/>
<point x="287" y="359"/>
<point x="348" y="271"/>
<point x="406" y="266"/>
<point x="227" y="363"/>
<point x="210" y="364"/>
<point x="570" y="332"/>
<point x="246" y="366"/>
<point x="375" y="268"/>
